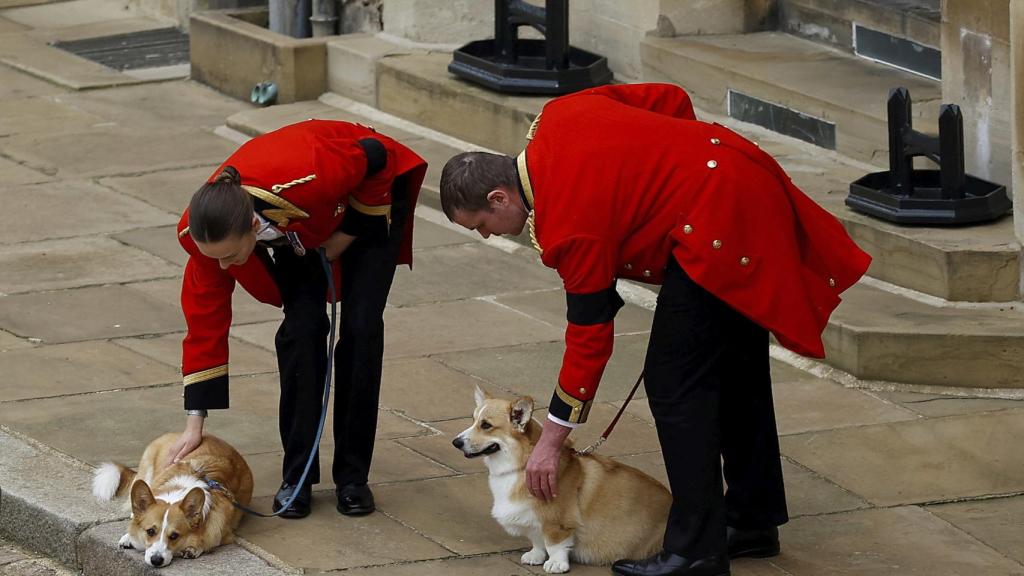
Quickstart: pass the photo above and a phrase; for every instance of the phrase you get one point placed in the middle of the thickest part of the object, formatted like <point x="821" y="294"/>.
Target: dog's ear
<point x="521" y="413"/>
<point x="480" y="396"/>
<point x="142" y="498"/>
<point x="192" y="506"/>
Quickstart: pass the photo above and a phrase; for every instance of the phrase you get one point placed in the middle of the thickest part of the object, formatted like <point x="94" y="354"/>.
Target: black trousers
<point x="709" y="389"/>
<point x="368" y="269"/>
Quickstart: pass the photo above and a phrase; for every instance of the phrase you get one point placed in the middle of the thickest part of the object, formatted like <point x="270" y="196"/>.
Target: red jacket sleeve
<point x="587" y="267"/>
<point x="667" y="99"/>
<point x="206" y="302"/>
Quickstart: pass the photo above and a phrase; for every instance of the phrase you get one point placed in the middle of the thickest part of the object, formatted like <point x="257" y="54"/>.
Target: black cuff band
<point x="209" y="394"/>
<point x="565" y="407"/>
<point x="593" y="308"/>
<point x="376" y="155"/>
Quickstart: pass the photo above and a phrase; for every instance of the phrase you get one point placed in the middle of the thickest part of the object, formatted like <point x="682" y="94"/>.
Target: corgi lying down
<point x="605" y="511"/>
<point x="183" y="509"/>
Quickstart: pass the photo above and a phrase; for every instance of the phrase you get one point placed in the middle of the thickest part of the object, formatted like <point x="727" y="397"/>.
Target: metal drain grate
<point x="146" y="49"/>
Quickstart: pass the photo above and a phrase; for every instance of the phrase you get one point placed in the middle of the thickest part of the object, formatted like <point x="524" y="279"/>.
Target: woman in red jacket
<point x="260" y="221"/>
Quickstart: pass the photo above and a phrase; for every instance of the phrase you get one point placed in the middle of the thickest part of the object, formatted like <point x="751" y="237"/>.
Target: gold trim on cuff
<point x="580" y="408"/>
<point x="208" y="374"/>
<point x="382" y="210"/>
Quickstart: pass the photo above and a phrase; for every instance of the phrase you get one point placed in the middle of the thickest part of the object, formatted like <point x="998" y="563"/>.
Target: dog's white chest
<point x="514" y="514"/>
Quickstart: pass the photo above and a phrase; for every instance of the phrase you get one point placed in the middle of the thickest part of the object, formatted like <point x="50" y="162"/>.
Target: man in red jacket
<point x="259" y="221"/>
<point x="624" y="182"/>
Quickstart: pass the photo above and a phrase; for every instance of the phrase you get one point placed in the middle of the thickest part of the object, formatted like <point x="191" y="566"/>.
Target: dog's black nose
<point x="457" y="442"/>
<point x="156" y="560"/>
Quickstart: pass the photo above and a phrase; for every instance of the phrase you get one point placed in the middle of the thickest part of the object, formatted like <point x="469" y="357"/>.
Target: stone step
<point x="876" y="334"/>
<point x="852" y="25"/>
<point x="820" y="94"/>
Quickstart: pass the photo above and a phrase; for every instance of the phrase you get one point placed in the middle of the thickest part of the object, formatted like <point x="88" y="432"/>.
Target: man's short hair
<point x="469" y="177"/>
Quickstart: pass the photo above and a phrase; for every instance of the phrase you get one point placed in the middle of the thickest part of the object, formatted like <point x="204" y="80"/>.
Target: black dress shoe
<point x="668" y="564"/>
<point x="762" y="543"/>
<point x="299" y="507"/>
<point x="355" y="500"/>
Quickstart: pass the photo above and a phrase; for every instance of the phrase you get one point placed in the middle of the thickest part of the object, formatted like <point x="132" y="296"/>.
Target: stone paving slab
<point x="465" y="271"/>
<point x="532" y="369"/>
<point x="9" y="341"/>
<point x="438" y="447"/>
<point x="365" y="541"/>
<point x="39" y="517"/>
<point x="72" y="263"/>
<point x="35" y="56"/>
<point x="18" y="85"/>
<point x="43" y="115"/>
<point x="100" y="556"/>
<point x="116" y="150"/>
<point x="13" y="174"/>
<point x="994" y="522"/>
<point x="87" y="314"/>
<point x="8" y="26"/>
<point x="905" y="540"/>
<point x="73" y="208"/>
<point x="169" y="190"/>
<point x="427" y="235"/>
<point x="76" y="369"/>
<point x="159" y="241"/>
<point x="245" y="358"/>
<point x="934" y="405"/>
<point x="920" y="461"/>
<point x="549" y="306"/>
<point x="427" y="390"/>
<point x="494" y="565"/>
<point x="462" y="523"/>
<point x="65" y="14"/>
<point x="819" y="404"/>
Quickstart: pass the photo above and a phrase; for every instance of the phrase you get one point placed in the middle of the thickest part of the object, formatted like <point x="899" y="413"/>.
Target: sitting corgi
<point x="183" y="509"/>
<point x="605" y="511"/>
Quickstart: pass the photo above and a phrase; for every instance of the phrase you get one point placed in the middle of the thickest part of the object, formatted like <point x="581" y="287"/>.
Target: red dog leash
<point x="608" y="430"/>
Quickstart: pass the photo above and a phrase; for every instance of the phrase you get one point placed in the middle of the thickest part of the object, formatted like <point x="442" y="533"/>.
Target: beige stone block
<point x="904" y="540"/>
<point x="17" y="85"/>
<point x="937" y="405"/>
<point x="921" y="461"/>
<point x="549" y="306"/>
<point x="13" y="174"/>
<point x="532" y="369"/>
<point x="73" y="208"/>
<point x="115" y="150"/>
<point x="462" y="524"/>
<point x="994" y="522"/>
<point x="615" y="40"/>
<point x="160" y="241"/>
<point x="41" y="115"/>
<point x="454" y="326"/>
<point x="245" y="358"/>
<point x="438" y="447"/>
<point x="71" y="263"/>
<point x="328" y="541"/>
<point x="427" y="390"/>
<point x="67" y="14"/>
<point x="481" y="273"/>
<point x="716" y="16"/>
<point x="436" y="154"/>
<point x="76" y="369"/>
<point x="419" y="88"/>
<point x="819" y="404"/>
<point x="9" y="341"/>
<point x="261" y="120"/>
<point x="87" y="314"/>
<point x="439" y="21"/>
<point x="352" y="65"/>
<point x="154" y="107"/>
<point x="169" y="190"/>
<point x="505" y="566"/>
<point x="36" y="57"/>
<point x="298" y="66"/>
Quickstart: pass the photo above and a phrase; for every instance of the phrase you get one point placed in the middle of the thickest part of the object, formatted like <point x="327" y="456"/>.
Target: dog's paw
<point x="534" y="557"/>
<point x="191" y="553"/>
<point x="125" y="542"/>
<point x="554" y="566"/>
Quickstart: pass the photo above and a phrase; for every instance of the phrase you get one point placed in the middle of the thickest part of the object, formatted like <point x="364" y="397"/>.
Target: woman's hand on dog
<point x="542" y="468"/>
<point x="189" y="440"/>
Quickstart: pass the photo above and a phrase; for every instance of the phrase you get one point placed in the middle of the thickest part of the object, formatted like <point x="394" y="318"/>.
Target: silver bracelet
<point x="201" y="413"/>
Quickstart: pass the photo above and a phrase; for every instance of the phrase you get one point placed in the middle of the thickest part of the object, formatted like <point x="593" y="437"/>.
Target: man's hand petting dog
<point x="189" y="440"/>
<point x="542" y="467"/>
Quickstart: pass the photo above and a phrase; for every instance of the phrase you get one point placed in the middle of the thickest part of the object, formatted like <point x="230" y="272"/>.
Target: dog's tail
<point x="111" y="480"/>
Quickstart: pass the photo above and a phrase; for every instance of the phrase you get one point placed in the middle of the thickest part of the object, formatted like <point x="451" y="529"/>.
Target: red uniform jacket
<point x="307" y="176"/>
<point x="621" y="178"/>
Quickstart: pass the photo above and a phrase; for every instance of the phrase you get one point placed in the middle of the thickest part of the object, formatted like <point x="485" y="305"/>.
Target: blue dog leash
<point x="214" y="485"/>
